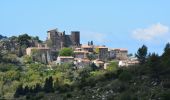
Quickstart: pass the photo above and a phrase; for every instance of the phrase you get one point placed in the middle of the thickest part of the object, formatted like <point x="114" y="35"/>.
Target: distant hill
<point x="2" y="37"/>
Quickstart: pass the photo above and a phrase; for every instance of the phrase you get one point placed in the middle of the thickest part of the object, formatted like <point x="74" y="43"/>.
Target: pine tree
<point x="20" y="53"/>
<point x="142" y="54"/>
<point x="167" y="47"/>
<point x="166" y="56"/>
<point x="154" y="64"/>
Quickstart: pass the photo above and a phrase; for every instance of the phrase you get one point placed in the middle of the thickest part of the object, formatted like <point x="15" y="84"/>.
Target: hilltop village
<point x="83" y="54"/>
<point x="62" y="68"/>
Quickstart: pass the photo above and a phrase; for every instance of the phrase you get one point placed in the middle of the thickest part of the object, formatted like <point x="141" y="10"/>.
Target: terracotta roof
<point x="81" y="51"/>
<point x="99" y="62"/>
<point x="120" y="49"/>
<point x="77" y="48"/>
<point x="65" y="57"/>
<point x="86" y="46"/>
<point x="83" y="60"/>
<point x="38" y="48"/>
<point x="101" y="47"/>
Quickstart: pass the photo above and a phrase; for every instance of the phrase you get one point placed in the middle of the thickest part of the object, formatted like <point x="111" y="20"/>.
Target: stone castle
<point x="59" y="40"/>
<point x="83" y="54"/>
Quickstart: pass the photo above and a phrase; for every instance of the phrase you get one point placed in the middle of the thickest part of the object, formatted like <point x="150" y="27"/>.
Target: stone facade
<point x="88" y="48"/>
<point x="81" y="54"/>
<point x="103" y="53"/>
<point x="121" y="54"/>
<point x="65" y="59"/>
<point x="41" y="54"/>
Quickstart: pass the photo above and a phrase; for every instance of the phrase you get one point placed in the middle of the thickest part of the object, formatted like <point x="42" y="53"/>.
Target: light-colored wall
<point x="44" y="53"/>
<point x="64" y="60"/>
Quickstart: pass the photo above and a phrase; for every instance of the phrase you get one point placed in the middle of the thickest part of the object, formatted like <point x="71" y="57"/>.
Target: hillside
<point x="2" y="37"/>
<point x="23" y="78"/>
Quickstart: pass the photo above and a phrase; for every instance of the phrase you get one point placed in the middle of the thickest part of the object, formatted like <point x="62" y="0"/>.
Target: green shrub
<point x="66" y="52"/>
<point x="165" y="95"/>
<point x="125" y="76"/>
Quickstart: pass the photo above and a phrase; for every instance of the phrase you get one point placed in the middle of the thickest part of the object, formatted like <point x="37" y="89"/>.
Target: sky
<point x="115" y="23"/>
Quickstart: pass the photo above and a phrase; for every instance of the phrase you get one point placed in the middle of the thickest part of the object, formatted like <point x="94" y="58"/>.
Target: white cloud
<point x="153" y="32"/>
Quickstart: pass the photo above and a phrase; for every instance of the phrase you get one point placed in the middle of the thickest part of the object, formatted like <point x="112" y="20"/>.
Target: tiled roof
<point x="120" y="49"/>
<point x="101" y="47"/>
<point x="38" y="48"/>
<point x="81" y="51"/>
<point x="86" y="46"/>
<point x="66" y="57"/>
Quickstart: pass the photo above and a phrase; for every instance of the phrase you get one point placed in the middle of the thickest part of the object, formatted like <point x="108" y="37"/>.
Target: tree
<point x="97" y="50"/>
<point x="49" y="43"/>
<point x="20" y="53"/>
<point x="27" y="59"/>
<point x="125" y="76"/>
<point x="48" y="86"/>
<point x="154" y="64"/>
<point x="93" y="66"/>
<point x="142" y="54"/>
<point x="37" y="39"/>
<point x="26" y="90"/>
<point x="19" y="91"/>
<point x="167" y="47"/>
<point x="37" y="88"/>
<point x="91" y="56"/>
<point x="66" y="52"/>
<point x="165" y="60"/>
<point x="1" y="57"/>
<point x="24" y="40"/>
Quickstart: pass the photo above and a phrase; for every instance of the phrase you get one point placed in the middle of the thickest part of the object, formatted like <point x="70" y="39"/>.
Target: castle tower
<point x="75" y="35"/>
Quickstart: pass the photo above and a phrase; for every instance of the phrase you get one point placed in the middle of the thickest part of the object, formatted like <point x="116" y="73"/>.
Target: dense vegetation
<point x="66" y="52"/>
<point x="22" y="78"/>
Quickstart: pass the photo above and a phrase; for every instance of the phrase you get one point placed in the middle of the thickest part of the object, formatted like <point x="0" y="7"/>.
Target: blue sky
<point x="114" y="23"/>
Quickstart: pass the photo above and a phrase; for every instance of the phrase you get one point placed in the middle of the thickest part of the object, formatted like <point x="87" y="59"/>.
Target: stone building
<point x="58" y="40"/>
<point x="88" y="48"/>
<point x="81" y="63"/>
<point x="40" y="54"/>
<point x="65" y="59"/>
<point x="102" y="53"/>
<point x="81" y="54"/>
<point x="121" y="54"/>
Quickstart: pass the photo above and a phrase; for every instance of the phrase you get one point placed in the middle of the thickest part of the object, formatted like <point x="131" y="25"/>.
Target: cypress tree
<point x="48" y="86"/>
<point x="37" y="88"/>
<point x="19" y="91"/>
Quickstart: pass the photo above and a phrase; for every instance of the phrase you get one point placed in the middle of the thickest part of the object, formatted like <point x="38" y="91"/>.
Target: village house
<point x="81" y="54"/>
<point x="129" y="62"/>
<point x="102" y="53"/>
<point x="111" y="54"/>
<point x="118" y="53"/>
<point x="88" y="48"/>
<point x="56" y="40"/>
<point x="64" y="59"/>
<point x="99" y="63"/>
<point x="41" y="54"/>
<point x="80" y="63"/>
